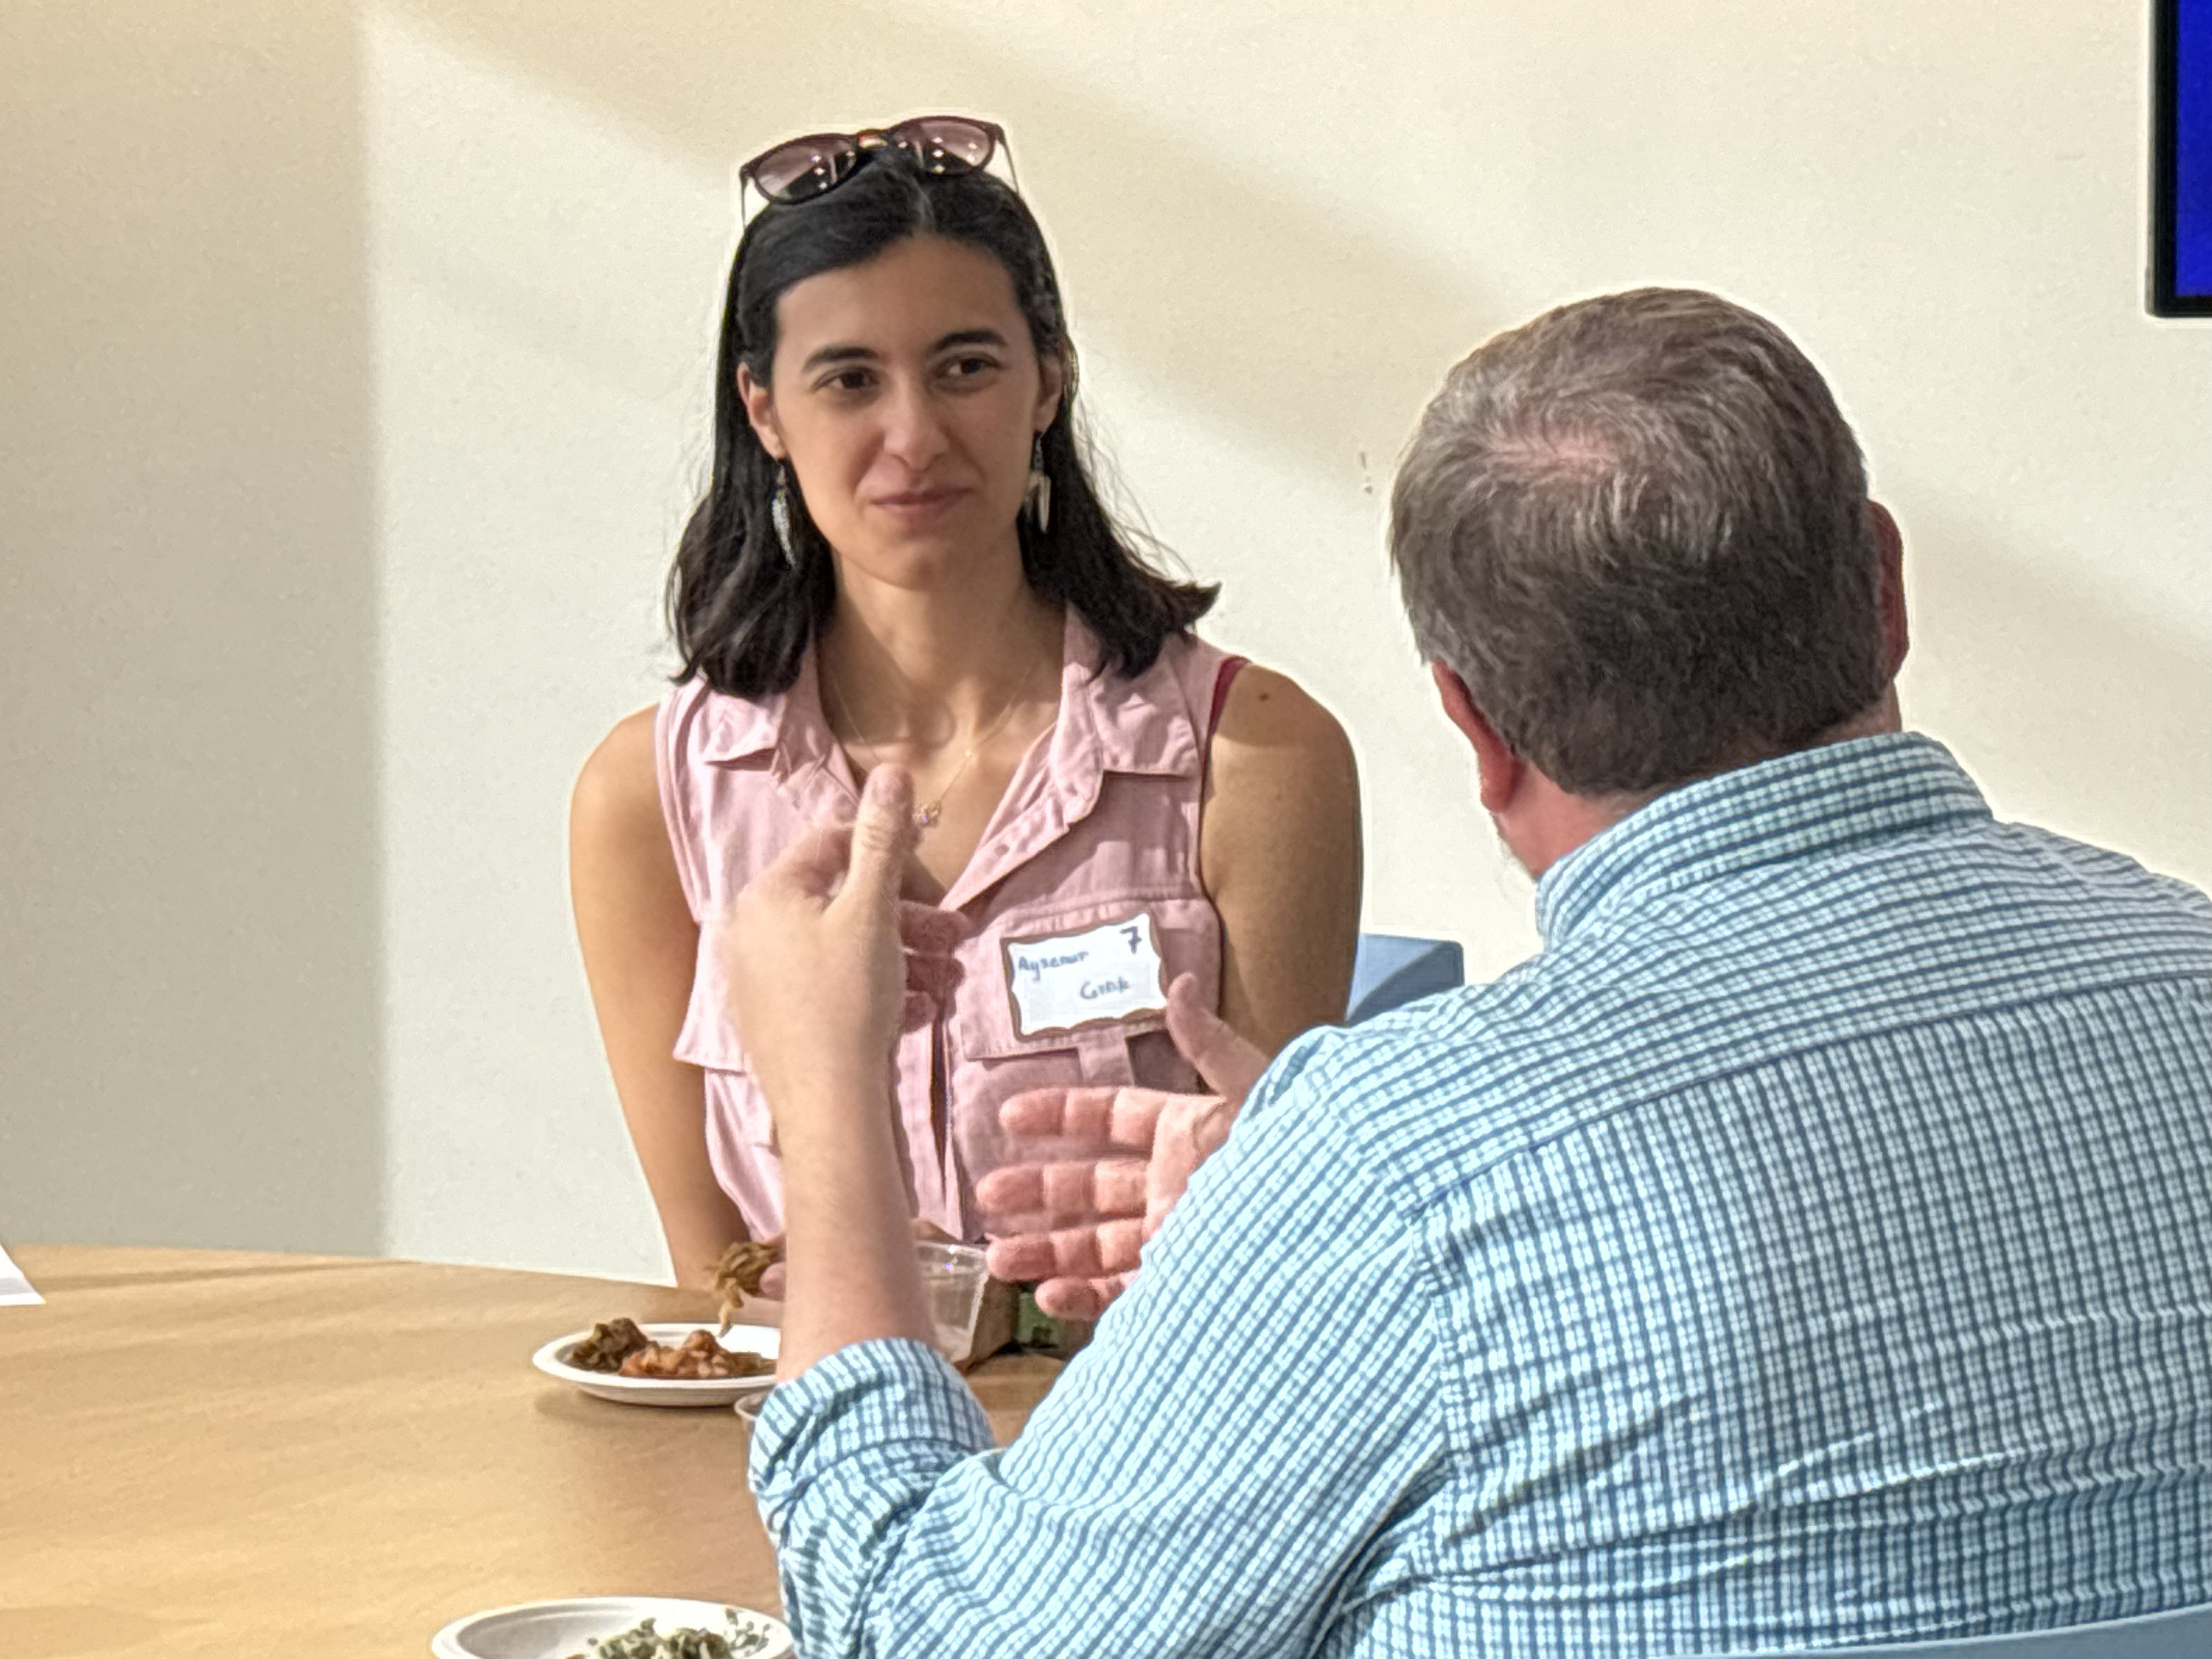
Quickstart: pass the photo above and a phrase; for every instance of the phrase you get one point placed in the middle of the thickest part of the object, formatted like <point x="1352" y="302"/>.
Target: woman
<point x="901" y="559"/>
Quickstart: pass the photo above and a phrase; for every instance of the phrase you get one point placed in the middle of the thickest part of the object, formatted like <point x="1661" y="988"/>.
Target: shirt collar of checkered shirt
<point x="1801" y="806"/>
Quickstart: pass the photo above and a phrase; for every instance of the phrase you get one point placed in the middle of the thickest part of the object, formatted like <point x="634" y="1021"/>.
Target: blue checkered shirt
<point x="1812" y="1245"/>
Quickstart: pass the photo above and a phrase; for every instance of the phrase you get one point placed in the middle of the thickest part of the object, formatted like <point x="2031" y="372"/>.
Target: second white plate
<point x="762" y="1339"/>
<point x="555" y="1630"/>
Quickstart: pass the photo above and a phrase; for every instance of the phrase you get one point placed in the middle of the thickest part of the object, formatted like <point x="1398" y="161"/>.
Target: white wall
<point x="190" y="1047"/>
<point x="451" y="333"/>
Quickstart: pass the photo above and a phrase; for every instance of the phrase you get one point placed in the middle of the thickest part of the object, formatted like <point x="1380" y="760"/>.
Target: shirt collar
<point x="788" y="723"/>
<point x="1142" y="726"/>
<point x="1107" y="723"/>
<point x="1826" y="799"/>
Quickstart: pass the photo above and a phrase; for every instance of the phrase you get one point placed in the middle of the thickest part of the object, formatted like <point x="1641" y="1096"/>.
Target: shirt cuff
<point x="889" y="1400"/>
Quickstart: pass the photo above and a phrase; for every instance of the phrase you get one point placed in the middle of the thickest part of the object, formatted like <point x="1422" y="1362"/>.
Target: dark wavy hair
<point x="742" y="615"/>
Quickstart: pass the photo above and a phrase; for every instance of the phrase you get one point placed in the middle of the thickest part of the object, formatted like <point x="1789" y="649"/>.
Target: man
<point x="1811" y="1245"/>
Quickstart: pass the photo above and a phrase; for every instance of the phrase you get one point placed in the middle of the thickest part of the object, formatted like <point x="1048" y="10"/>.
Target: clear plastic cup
<point x="952" y="1280"/>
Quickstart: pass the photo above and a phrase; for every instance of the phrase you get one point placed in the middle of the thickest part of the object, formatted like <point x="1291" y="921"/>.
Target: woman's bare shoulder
<point x="1270" y="722"/>
<point x="618" y="788"/>
<point x="1283" y="787"/>
<point x="1279" y="855"/>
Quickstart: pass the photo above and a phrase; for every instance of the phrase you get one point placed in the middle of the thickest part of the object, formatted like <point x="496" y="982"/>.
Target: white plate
<point x="554" y="1630"/>
<point x="553" y="1360"/>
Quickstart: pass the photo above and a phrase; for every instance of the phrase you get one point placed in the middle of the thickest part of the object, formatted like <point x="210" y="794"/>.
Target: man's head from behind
<point x="1637" y="531"/>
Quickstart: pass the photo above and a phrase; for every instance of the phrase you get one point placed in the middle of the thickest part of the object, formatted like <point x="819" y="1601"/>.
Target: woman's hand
<point x="826" y="964"/>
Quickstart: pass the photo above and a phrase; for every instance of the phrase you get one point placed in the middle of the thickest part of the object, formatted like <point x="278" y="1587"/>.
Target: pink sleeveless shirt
<point x="1098" y="828"/>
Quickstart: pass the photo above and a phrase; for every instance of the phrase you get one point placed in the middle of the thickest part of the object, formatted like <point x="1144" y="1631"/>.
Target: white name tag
<point x="1086" y="979"/>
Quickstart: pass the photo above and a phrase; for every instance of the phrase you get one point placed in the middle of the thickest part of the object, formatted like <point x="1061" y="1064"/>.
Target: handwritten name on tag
<point x="1082" y="979"/>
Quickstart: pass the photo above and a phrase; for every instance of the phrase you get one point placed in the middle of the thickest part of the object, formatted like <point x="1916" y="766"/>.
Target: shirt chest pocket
<point x="1074" y="992"/>
<point x="709" y="1040"/>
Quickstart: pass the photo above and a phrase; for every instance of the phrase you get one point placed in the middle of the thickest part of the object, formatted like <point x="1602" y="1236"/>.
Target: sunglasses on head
<point x="800" y="169"/>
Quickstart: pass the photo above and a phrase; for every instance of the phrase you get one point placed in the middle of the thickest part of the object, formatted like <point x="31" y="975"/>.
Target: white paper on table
<point x="15" y="1291"/>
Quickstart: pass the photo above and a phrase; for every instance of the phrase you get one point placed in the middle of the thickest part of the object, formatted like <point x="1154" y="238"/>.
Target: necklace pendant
<point x="926" y="816"/>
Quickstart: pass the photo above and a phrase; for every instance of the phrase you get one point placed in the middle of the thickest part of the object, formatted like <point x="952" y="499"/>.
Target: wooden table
<point x="227" y="1453"/>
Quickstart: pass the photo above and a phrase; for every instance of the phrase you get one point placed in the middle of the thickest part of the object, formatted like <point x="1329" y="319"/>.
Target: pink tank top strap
<point x="1224" y="676"/>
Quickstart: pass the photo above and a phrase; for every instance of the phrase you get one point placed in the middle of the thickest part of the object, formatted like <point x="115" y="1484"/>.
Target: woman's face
<point x="905" y="396"/>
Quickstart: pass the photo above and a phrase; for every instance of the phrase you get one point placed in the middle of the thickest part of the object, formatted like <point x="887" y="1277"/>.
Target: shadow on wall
<point x="191" y="957"/>
<point x="1320" y="338"/>
<point x="2068" y="712"/>
<point x="189" y="1046"/>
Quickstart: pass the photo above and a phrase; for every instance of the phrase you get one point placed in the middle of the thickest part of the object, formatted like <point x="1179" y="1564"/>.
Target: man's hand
<point x="825" y="963"/>
<point x="819" y="984"/>
<point x="1077" y="1226"/>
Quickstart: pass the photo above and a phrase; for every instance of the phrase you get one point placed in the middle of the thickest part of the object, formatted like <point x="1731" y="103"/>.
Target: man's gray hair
<point x="1637" y="527"/>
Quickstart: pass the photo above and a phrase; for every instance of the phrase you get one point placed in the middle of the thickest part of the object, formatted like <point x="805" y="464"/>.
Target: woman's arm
<point x="640" y="947"/>
<point x="1279" y="855"/>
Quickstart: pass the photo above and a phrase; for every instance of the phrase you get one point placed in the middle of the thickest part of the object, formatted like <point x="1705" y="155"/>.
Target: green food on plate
<point x="642" y="1641"/>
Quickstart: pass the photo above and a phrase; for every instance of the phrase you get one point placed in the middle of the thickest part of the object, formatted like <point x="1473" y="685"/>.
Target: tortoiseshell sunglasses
<point x="799" y="169"/>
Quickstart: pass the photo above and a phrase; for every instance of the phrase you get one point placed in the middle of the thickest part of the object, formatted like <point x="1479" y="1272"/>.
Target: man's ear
<point x="1889" y="544"/>
<point x="1498" y="768"/>
<point x="760" y="411"/>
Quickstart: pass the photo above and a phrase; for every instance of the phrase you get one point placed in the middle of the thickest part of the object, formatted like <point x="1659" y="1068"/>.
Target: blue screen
<point x="2192" y="145"/>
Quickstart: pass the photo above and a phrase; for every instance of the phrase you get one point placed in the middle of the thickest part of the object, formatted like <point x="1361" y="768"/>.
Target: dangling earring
<point x="778" y="512"/>
<point x="1037" y="498"/>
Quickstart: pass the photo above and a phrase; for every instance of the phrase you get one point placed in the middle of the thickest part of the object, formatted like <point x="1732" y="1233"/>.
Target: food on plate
<point x="738" y="1273"/>
<point x="608" y="1346"/>
<point x="698" y="1358"/>
<point x="618" y="1346"/>
<point x="736" y="1639"/>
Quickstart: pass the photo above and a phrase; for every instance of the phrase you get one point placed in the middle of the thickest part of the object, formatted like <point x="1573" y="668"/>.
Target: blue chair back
<point x="1390" y="972"/>
<point x="2186" y="1634"/>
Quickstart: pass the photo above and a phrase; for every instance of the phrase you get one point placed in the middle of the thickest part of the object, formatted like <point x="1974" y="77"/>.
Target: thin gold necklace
<point x="926" y="812"/>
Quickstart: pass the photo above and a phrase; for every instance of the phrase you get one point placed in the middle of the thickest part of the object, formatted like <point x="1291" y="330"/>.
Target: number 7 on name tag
<point x="1087" y="979"/>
